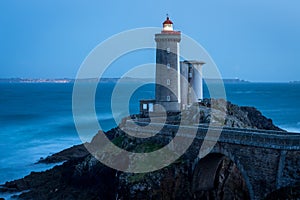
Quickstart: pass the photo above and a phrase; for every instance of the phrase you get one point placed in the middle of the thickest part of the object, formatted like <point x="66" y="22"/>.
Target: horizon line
<point x="70" y="79"/>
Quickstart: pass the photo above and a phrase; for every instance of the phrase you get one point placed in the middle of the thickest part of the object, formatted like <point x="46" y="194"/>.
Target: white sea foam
<point x="291" y="129"/>
<point x="9" y="195"/>
<point x="244" y="92"/>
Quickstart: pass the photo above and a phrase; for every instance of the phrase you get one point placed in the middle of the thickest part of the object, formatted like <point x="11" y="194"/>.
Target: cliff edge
<point x="82" y="176"/>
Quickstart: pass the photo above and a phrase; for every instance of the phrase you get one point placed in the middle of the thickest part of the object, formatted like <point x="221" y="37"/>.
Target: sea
<point x="36" y="118"/>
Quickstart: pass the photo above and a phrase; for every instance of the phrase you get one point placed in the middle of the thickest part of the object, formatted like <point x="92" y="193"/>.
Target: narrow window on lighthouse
<point x="168" y="81"/>
<point x="168" y="98"/>
<point x="144" y="106"/>
<point x="168" y="66"/>
<point x="168" y="50"/>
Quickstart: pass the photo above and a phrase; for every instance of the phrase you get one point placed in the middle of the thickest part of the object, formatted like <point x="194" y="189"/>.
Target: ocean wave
<point x="289" y="128"/>
<point x="67" y="123"/>
<point x="19" y="117"/>
<point x="293" y="130"/>
<point x="9" y="195"/>
<point x="90" y="117"/>
<point x="244" y="92"/>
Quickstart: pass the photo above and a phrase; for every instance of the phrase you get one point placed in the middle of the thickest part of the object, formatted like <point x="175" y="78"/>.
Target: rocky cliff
<point x="224" y="113"/>
<point x="84" y="177"/>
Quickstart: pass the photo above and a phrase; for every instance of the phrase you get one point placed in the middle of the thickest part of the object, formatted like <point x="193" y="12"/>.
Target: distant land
<point x="102" y="80"/>
<point x="294" y="82"/>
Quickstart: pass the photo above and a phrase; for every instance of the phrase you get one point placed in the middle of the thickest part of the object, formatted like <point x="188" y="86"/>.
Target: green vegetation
<point x="147" y="147"/>
<point x="118" y="141"/>
<point x="131" y="145"/>
<point x="134" y="178"/>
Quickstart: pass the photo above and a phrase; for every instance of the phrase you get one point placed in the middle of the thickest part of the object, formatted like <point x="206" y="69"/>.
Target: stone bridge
<point x="267" y="160"/>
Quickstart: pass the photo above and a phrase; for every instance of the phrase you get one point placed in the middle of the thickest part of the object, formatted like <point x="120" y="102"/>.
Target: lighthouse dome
<point x="168" y="25"/>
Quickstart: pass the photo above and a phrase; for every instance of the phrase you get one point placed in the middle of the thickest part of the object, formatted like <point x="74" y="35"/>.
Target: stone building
<point x="178" y="84"/>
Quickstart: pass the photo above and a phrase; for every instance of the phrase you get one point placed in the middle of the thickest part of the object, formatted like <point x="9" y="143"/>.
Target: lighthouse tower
<point x="167" y="90"/>
<point x="178" y="84"/>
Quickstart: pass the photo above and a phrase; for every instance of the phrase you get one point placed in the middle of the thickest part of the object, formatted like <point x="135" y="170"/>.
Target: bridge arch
<point x="212" y="172"/>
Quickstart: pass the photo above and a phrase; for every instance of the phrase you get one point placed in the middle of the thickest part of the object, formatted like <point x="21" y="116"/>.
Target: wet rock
<point x="76" y="151"/>
<point x="219" y="112"/>
<point x="84" y="177"/>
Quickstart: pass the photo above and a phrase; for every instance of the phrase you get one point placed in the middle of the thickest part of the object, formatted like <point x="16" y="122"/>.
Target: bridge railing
<point x="249" y="137"/>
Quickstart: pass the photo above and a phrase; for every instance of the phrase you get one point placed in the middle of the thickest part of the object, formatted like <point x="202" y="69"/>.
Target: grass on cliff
<point x="144" y="147"/>
<point x="118" y="140"/>
<point x="147" y="147"/>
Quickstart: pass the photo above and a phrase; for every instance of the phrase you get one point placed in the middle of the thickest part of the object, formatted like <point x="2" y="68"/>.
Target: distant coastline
<point x="114" y="80"/>
<point x="102" y="80"/>
<point x="294" y="82"/>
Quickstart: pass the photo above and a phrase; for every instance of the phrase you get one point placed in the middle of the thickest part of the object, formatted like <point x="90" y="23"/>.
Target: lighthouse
<point x="178" y="84"/>
<point x="167" y="76"/>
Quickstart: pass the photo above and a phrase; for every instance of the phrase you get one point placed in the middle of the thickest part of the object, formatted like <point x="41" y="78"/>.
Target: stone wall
<point x="267" y="160"/>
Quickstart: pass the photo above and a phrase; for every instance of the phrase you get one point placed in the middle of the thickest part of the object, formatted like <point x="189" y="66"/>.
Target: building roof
<point x="168" y="21"/>
<point x="194" y="62"/>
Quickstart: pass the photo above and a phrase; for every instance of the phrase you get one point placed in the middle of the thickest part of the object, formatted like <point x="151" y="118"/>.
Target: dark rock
<point x="257" y="120"/>
<point x="84" y="177"/>
<point x="219" y="112"/>
<point x="76" y="151"/>
<point x="291" y="192"/>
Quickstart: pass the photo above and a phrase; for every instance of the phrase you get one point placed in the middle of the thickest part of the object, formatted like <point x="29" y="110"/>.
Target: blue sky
<point x="253" y="40"/>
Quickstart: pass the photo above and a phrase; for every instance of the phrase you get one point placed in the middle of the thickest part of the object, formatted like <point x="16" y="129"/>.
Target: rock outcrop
<point x="292" y="192"/>
<point x="76" y="151"/>
<point x="80" y="178"/>
<point x="87" y="178"/>
<point x="84" y="177"/>
<point x="224" y="113"/>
